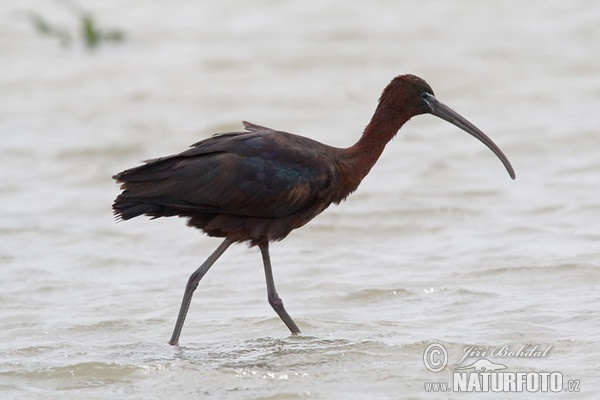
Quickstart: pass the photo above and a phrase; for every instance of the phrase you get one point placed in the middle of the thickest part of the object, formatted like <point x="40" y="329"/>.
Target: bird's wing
<point x="250" y="127"/>
<point x="259" y="173"/>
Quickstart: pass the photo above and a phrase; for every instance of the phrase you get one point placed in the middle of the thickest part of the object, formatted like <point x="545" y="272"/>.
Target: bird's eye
<point x="426" y="97"/>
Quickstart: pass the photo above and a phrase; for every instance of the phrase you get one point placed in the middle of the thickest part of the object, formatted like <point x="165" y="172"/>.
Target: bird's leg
<point x="272" y="295"/>
<point x="192" y="285"/>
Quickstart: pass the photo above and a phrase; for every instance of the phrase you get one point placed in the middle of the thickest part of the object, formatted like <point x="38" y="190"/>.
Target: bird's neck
<point x="360" y="157"/>
<point x="369" y="147"/>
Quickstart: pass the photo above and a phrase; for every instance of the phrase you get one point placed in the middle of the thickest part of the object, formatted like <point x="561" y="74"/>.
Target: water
<point x="437" y="246"/>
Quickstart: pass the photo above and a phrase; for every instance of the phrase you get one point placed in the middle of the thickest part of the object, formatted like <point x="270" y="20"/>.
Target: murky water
<point x="437" y="246"/>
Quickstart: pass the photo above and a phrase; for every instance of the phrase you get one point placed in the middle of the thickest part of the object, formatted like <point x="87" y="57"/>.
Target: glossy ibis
<point x="258" y="185"/>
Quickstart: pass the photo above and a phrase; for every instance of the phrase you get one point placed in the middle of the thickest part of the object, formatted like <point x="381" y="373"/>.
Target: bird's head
<point x="408" y="95"/>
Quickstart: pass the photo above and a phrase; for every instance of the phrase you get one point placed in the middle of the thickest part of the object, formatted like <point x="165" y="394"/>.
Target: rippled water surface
<point x="438" y="245"/>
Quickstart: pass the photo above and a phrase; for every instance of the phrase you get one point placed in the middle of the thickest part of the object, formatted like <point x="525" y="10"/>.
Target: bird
<point x="256" y="186"/>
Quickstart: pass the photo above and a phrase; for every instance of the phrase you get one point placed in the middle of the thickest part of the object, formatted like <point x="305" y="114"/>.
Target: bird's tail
<point x="142" y="189"/>
<point x="126" y="208"/>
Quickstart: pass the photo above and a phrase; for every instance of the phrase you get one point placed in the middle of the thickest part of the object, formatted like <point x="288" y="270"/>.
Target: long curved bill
<point x="446" y="113"/>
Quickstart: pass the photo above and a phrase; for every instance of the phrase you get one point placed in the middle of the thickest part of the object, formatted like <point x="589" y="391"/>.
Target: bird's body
<point x="259" y="185"/>
<point x="246" y="186"/>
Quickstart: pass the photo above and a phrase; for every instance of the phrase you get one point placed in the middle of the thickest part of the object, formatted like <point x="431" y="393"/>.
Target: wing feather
<point x="258" y="173"/>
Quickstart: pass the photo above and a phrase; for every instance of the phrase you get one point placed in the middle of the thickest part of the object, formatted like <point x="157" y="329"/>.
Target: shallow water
<point x="438" y="245"/>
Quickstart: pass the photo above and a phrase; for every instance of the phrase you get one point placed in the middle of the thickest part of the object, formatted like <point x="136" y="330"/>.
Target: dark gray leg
<point x="192" y="285"/>
<point x="272" y="295"/>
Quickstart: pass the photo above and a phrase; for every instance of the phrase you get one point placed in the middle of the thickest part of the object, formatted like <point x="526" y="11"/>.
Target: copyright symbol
<point x="435" y="357"/>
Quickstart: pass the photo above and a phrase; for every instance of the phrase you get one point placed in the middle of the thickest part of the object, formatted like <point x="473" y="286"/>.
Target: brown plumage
<point x="259" y="185"/>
